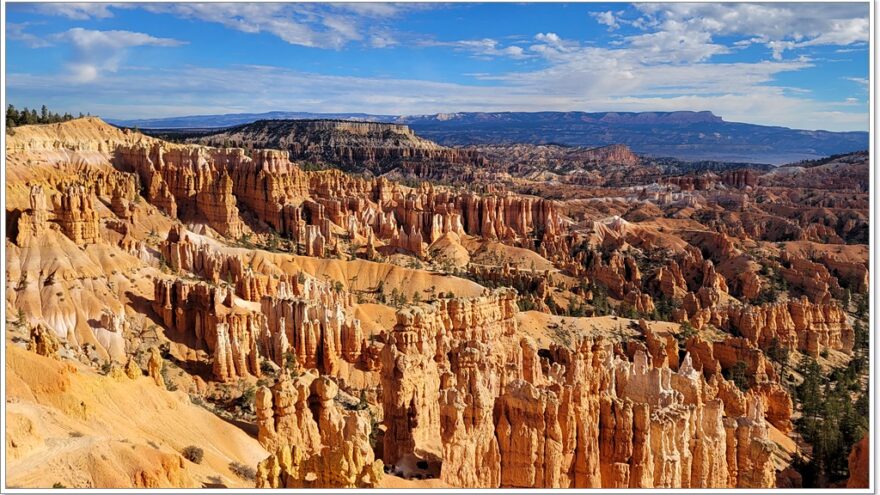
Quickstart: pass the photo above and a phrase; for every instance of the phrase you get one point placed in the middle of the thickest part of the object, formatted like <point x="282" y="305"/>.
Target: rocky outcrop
<point x="579" y="416"/>
<point x="76" y="215"/>
<point x="411" y="388"/>
<point x="797" y="324"/>
<point x="813" y="279"/>
<point x="44" y="342"/>
<point x="529" y="437"/>
<point x="33" y="222"/>
<point x="206" y="185"/>
<point x="855" y="275"/>
<point x="133" y="369"/>
<point x="154" y="367"/>
<point x="297" y="315"/>
<point x="316" y="443"/>
<point x="454" y="385"/>
<point x="470" y="448"/>
<point x="208" y="317"/>
<point x="189" y="182"/>
<point x="415" y="357"/>
<point x="315" y="321"/>
<point x="859" y="465"/>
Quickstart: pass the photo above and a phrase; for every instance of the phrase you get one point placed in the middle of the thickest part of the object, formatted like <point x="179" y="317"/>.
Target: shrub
<point x="523" y="303"/>
<point x="242" y="471"/>
<point x="246" y="401"/>
<point x="193" y="454"/>
<point x="738" y="374"/>
<point x="686" y="331"/>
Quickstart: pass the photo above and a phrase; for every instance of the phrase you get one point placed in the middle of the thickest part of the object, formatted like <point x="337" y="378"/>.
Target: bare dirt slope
<point x="67" y="424"/>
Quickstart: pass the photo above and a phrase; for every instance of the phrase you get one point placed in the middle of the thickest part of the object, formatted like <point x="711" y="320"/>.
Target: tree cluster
<point x="26" y="116"/>
<point x="835" y="413"/>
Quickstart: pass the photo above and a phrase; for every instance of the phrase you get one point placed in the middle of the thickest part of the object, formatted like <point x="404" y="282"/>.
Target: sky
<point x="797" y="65"/>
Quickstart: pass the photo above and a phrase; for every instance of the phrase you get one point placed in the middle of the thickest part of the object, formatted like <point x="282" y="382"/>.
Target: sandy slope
<point x="69" y="425"/>
<point x="546" y="328"/>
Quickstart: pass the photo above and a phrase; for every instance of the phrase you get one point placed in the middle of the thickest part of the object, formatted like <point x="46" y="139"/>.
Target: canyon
<point x="340" y="304"/>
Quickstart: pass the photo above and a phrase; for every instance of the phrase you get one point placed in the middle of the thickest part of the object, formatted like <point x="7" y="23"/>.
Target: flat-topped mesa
<point x="353" y="146"/>
<point x="315" y="442"/>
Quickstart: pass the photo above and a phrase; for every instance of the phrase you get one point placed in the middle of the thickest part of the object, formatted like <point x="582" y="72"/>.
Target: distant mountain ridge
<point x="234" y="119"/>
<point x="685" y="135"/>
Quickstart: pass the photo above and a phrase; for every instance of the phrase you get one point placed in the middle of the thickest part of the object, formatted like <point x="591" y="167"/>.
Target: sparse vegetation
<point x="738" y="374"/>
<point x="193" y="454"/>
<point x="242" y="471"/>
<point x="685" y="332"/>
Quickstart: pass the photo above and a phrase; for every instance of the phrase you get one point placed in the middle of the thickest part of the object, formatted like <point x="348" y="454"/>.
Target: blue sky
<point x="797" y="65"/>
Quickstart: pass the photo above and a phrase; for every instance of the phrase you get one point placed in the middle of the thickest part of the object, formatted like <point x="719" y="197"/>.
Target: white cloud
<point x="486" y="47"/>
<point x="382" y="40"/>
<point x="95" y="52"/>
<point x="676" y="43"/>
<point x="16" y="31"/>
<point x="779" y="26"/>
<point x="670" y="64"/>
<point x="606" y="18"/>
<point x="333" y="25"/>
<point x="859" y="80"/>
<point x="262" y="88"/>
<point x="78" y="11"/>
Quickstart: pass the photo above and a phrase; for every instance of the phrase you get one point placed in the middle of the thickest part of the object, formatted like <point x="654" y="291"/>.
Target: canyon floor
<point x="346" y="304"/>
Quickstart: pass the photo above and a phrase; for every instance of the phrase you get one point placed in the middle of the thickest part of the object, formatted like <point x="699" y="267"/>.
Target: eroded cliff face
<point x="221" y="269"/>
<point x="351" y="146"/>
<point x="456" y="376"/>
<point x="211" y="185"/>
<point x="316" y="443"/>
<point x="307" y="319"/>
